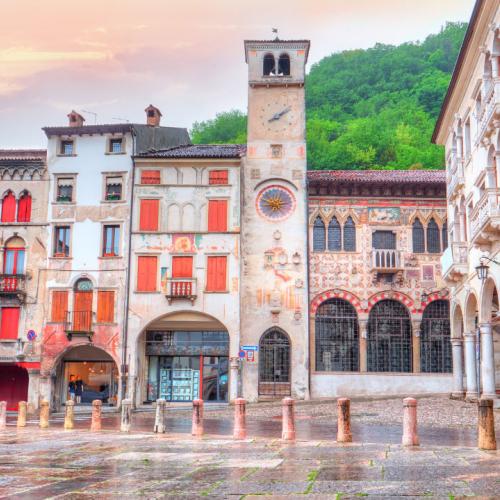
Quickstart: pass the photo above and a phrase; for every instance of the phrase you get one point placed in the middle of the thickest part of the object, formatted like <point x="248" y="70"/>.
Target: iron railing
<point x="12" y="283"/>
<point x="274" y="364"/>
<point x="79" y="322"/>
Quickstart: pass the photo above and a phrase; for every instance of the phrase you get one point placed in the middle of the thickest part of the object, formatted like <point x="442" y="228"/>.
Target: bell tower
<point x="274" y="282"/>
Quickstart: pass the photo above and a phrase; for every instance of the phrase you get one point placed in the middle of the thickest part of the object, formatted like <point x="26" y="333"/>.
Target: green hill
<point x="373" y="108"/>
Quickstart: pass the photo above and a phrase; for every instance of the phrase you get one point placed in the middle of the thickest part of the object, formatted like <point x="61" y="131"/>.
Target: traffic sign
<point x="31" y="335"/>
<point x="250" y="355"/>
<point x="241" y="354"/>
<point x="250" y="347"/>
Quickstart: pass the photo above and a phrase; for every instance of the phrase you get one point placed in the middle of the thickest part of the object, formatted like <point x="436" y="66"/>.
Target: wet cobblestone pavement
<point x="53" y="463"/>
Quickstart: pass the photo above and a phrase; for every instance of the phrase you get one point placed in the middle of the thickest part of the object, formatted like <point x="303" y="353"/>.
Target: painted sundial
<point x="275" y="203"/>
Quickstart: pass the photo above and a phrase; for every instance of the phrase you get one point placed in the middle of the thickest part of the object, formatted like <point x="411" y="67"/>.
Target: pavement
<point x="54" y="463"/>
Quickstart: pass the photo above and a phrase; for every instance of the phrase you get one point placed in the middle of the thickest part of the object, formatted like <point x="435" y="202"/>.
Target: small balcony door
<point x="13" y="262"/>
<point x="182" y="267"/>
<point x="82" y="306"/>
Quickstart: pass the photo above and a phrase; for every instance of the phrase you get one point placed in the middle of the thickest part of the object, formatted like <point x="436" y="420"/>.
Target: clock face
<point x="275" y="203"/>
<point x="277" y="115"/>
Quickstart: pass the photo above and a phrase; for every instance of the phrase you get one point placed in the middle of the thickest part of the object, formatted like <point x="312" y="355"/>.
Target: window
<point x="334" y="236"/>
<point x="24" y="208"/>
<point x="148" y="217"/>
<point x="284" y="65"/>
<point x="319" y="239"/>
<point x="105" y="306"/>
<point x="269" y="66"/>
<point x="150" y="177"/>
<point x="14" y="256"/>
<point x="9" y="323"/>
<point x="111" y="241"/>
<point x="61" y="241"/>
<point x="65" y="189"/>
<point x="217" y="215"/>
<point x="444" y="235"/>
<point x="67" y="148"/>
<point x="216" y="274"/>
<point x="9" y="207"/>
<point x="113" y="188"/>
<point x="433" y="237"/>
<point x="218" y="177"/>
<point x="385" y="240"/>
<point x="182" y="267"/>
<point x="147" y="266"/>
<point x="115" y="145"/>
<point x="418" y="237"/>
<point x="349" y="235"/>
<point x="59" y="306"/>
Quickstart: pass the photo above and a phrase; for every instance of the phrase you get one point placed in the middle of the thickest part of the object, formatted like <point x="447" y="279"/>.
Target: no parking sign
<point x="31" y="335"/>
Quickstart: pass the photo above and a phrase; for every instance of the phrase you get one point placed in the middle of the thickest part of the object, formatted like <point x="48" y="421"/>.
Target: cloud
<point x="27" y="54"/>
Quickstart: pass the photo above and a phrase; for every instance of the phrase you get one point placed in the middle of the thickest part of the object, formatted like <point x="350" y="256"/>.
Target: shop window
<point x="61" y="241"/>
<point x="24" y="208"/>
<point x="319" y="235"/>
<point x="9" y="323"/>
<point x="349" y="239"/>
<point x="59" y="306"/>
<point x="65" y="189"/>
<point x="216" y="274"/>
<point x="150" y="177"/>
<point x="116" y="145"/>
<point x="218" y="177"/>
<point x="113" y="188"/>
<point x="433" y="237"/>
<point x="148" y="217"/>
<point x="334" y="236"/>
<point x="418" y="237"/>
<point x="217" y="215"/>
<point x="9" y="207"/>
<point x="111" y="241"/>
<point x="147" y="269"/>
<point x="67" y="148"/>
<point x="105" y="306"/>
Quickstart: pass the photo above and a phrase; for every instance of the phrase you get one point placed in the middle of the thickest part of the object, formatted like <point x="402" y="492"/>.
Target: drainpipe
<point x="308" y="281"/>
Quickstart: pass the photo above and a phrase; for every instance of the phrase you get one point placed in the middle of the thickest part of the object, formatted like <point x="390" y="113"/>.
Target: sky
<point x="114" y="57"/>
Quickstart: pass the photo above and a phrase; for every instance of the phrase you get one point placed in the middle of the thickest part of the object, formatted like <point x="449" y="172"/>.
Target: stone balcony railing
<point x="454" y="261"/>
<point x="455" y="180"/>
<point x="385" y="260"/>
<point x="485" y="219"/>
<point x="489" y="110"/>
<point x="181" y="288"/>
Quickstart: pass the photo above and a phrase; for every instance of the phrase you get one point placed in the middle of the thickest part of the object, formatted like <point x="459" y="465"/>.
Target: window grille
<point x="349" y="235"/>
<point x="389" y="338"/>
<point x="337" y="336"/>
<point x="385" y="240"/>
<point x="274" y="364"/>
<point x="418" y="237"/>
<point x="334" y="236"/>
<point x="433" y="237"/>
<point x="444" y="231"/>
<point x="435" y="345"/>
<point x="319" y="240"/>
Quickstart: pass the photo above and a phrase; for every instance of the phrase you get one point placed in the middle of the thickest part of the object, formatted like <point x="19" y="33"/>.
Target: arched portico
<point x="457" y="342"/>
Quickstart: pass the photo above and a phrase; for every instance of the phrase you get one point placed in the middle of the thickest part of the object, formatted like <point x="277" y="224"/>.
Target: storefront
<point x="186" y="365"/>
<point x="14" y="382"/>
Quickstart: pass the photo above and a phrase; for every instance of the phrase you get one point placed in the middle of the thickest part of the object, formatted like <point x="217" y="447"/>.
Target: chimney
<point x="75" y="119"/>
<point x="153" y="116"/>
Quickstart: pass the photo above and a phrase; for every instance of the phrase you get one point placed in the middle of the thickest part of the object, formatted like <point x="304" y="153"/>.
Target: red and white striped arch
<point x="390" y="295"/>
<point x="336" y="294"/>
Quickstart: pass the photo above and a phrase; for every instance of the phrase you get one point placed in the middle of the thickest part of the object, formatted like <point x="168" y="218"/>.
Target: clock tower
<point x="274" y="282"/>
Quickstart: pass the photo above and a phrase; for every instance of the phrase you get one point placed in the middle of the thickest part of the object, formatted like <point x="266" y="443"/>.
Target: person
<point x="72" y="387"/>
<point x="79" y="389"/>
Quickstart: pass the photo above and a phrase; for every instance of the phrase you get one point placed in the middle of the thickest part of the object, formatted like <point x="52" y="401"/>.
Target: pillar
<point x="487" y="362"/>
<point x="197" y="423"/>
<point x="470" y="366"/>
<point x="410" y="436"/>
<point x="288" y="427"/>
<point x="363" y="345"/>
<point x="69" y="415"/>
<point x="458" y="370"/>
<point x="160" y="416"/>
<point x="95" y="425"/>
<point x="344" y="434"/>
<point x="234" y="378"/>
<point x="126" y="415"/>
<point x="416" y="345"/>
<point x="21" y="413"/>
<point x="44" y="414"/>
<point x="486" y="439"/>
<point x="494" y="66"/>
<point x="240" y="425"/>
<point x="3" y="415"/>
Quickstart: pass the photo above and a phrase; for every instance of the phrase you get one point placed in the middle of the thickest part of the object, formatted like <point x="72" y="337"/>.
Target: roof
<point x="277" y="44"/>
<point x="228" y="151"/>
<point x="111" y="128"/>
<point x="378" y="176"/>
<point x="22" y="156"/>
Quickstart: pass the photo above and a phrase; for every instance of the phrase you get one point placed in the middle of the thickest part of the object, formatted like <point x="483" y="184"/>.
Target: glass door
<point x="215" y="378"/>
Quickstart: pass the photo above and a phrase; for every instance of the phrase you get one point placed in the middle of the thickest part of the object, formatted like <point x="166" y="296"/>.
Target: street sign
<point x="250" y="347"/>
<point x="241" y="354"/>
<point x="31" y="335"/>
<point x="250" y="356"/>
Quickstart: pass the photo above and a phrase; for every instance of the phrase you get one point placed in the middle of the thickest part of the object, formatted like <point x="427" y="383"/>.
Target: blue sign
<point x="31" y="335"/>
<point x="241" y="354"/>
<point x="250" y="347"/>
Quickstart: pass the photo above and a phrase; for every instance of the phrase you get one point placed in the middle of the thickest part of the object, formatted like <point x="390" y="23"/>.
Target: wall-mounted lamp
<point x="483" y="268"/>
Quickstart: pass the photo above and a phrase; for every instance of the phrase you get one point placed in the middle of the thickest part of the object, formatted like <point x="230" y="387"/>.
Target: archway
<point x="14" y="382"/>
<point x="274" y="363"/>
<point x="471" y="314"/>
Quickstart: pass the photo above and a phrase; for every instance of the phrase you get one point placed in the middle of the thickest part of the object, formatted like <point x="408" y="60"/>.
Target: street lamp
<point x="482" y="270"/>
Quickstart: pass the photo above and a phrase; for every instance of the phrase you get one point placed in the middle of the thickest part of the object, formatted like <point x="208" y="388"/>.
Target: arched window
<point x="349" y="235"/>
<point x="269" y="66"/>
<point x="433" y="237"/>
<point x="334" y="236"/>
<point x="14" y="256"/>
<point x="337" y="337"/>
<point x="435" y="345"/>
<point x="389" y="338"/>
<point x="274" y="363"/>
<point x="9" y="207"/>
<point x="24" y="208"/>
<point x="284" y="65"/>
<point x="444" y="236"/>
<point x="319" y="235"/>
<point x="418" y="237"/>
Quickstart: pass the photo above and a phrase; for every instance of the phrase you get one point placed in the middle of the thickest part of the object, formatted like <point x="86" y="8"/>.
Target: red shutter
<point x="105" y="306"/>
<point x="182" y="267"/>
<point x="217" y="274"/>
<point x="217" y="215"/>
<point x="59" y="305"/>
<point x="9" y="208"/>
<point x="10" y="323"/>
<point x="24" y="208"/>
<point x="146" y="273"/>
<point x="149" y="215"/>
<point x="218" y="177"/>
<point x="150" y="177"/>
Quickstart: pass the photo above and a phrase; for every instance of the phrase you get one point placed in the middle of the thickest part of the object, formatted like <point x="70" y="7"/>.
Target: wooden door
<point x="182" y="267"/>
<point x="82" y="312"/>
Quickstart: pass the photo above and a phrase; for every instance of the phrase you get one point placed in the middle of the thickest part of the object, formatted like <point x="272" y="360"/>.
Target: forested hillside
<point x="372" y="108"/>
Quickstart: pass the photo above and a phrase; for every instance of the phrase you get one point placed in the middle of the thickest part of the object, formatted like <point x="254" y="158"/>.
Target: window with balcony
<point x="64" y="192"/>
<point x="111" y="241"/>
<point x="12" y="279"/>
<point x="181" y="285"/>
<point x="61" y="241"/>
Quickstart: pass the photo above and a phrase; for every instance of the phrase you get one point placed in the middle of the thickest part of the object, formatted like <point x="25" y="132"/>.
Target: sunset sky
<point x="114" y="57"/>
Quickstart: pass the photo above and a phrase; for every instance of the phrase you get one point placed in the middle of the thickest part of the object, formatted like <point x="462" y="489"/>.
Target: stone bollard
<point x="197" y="427"/>
<point x="486" y="425"/>
<point x="160" y="416"/>
<point x="410" y="436"/>
<point x="126" y="415"/>
<point x="344" y="434"/>
<point x="22" y="408"/>
<point x="44" y="414"/>
<point x="3" y="415"/>
<point x="95" y="424"/>
<point x="288" y="430"/>
<point x="69" y="415"/>
<point x="240" y="423"/>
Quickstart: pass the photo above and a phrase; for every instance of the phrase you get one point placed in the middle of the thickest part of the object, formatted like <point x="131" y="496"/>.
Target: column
<point x="487" y="362"/>
<point x="494" y="66"/>
<point x="470" y="366"/>
<point x="234" y="378"/>
<point x="416" y="344"/>
<point x="458" y="370"/>
<point x="363" y="345"/>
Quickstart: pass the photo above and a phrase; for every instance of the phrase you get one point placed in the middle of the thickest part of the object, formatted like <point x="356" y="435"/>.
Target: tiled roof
<point x="23" y="154"/>
<point x="378" y="176"/>
<point x="110" y="128"/>
<point x="199" y="151"/>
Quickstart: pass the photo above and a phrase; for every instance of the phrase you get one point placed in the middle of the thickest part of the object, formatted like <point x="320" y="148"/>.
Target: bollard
<point x="3" y="415"/>
<point x="126" y="415"/>
<point x="288" y="430"/>
<point x="410" y="436"/>
<point x="95" y="425"/>
<point x="344" y="434"/>
<point x="21" y="413"/>
<point x="197" y="427"/>
<point x="69" y="415"/>
<point x="486" y="425"/>
<point x="160" y="416"/>
<point x="44" y="414"/>
<point x="240" y="423"/>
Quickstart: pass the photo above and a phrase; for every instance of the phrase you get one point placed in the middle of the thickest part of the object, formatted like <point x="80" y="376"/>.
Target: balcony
<point x="454" y="262"/>
<point x="386" y="261"/>
<point x="13" y="284"/>
<point x="489" y="111"/>
<point x="181" y="288"/>
<point x="79" y="323"/>
<point x="455" y="181"/>
<point x="485" y="219"/>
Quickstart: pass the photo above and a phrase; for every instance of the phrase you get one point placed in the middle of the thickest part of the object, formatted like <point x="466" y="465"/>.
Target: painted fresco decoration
<point x="384" y="215"/>
<point x="275" y="203"/>
<point x="183" y="243"/>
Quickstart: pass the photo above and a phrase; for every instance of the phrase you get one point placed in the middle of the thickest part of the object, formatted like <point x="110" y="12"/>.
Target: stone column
<point x="470" y="366"/>
<point x="44" y="414"/>
<point x="494" y="66"/>
<point x="416" y="344"/>
<point x="487" y="362"/>
<point x="95" y="424"/>
<point x="21" y="414"/>
<point x="363" y="345"/>
<point x="3" y="415"/>
<point x="160" y="416"/>
<point x="234" y="378"/>
<point x="69" y="415"/>
<point x="458" y="370"/>
<point x="126" y="415"/>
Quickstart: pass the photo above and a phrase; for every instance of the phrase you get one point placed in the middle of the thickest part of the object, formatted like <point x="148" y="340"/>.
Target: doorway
<point x="274" y="364"/>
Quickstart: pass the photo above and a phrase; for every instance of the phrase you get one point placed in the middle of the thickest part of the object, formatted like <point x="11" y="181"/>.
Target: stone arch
<point x="406" y="300"/>
<point x="457" y="322"/>
<point x="173" y="217"/>
<point x="471" y="319"/>
<point x="188" y="217"/>
<point x="284" y="65"/>
<point x="274" y="180"/>
<point x="336" y="293"/>
<point x="489" y="300"/>
<point x="268" y="65"/>
<point x="73" y="281"/>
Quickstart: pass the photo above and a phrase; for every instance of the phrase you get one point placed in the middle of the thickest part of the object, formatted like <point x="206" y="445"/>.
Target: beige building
<point x="469" y="126"/>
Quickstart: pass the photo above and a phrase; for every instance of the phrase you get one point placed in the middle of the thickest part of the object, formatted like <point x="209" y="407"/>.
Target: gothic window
<point x="269" y="66"/>
<point x="389" y="338"/>
<point x="24" y="208"/>
<point x="435" y="345"/>
<point x="349" y="235"/>
<point x="418" y="237"/>
<point x="337" y="336"/>
<point x="284" y="65"/>
<point x="9" y="207"/>
<point x="334" y="236"/>
<point x="444" y="235"/>
<point x="319" y="239"/>
<point x="433" y="237"/>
